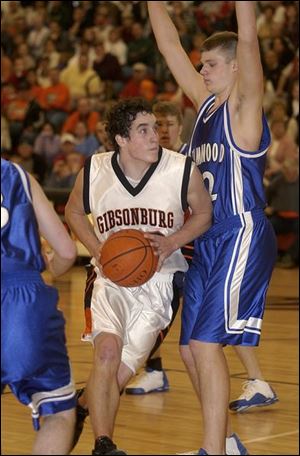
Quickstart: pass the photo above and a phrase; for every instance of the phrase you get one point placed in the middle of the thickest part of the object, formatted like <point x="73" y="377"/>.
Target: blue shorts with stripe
<point x="34" y="360"/>
<point x="225" y="287"/>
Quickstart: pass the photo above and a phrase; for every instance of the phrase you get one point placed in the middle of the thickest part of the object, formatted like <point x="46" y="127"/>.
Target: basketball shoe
<point x="104" y="445"/>
<point x="149" y="381"/>
<point x="234" y="445"/>
<point x="81" y="414"/>
<point x="257" y="393"/>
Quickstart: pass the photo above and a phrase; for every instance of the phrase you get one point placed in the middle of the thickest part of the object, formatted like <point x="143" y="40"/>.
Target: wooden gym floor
<point x="170" y="423"/>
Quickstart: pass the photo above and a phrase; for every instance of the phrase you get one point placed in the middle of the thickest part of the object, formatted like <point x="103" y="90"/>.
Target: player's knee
<point x="66" y="419"/>
<point x="185" y="353"/>
<point x="108" y="353"/>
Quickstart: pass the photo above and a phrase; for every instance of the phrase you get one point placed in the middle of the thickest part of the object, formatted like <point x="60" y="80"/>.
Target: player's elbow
<point x="67" y="251"/>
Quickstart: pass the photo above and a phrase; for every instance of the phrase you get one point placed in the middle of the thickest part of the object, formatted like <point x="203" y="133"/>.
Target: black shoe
<point x="81" y="414"/>
<point x="104" y="445"/>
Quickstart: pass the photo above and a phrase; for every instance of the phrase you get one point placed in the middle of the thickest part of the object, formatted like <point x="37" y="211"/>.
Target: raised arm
<point x="246" y="99"/>
<point x="250" y="79"/>
<point x="169" y="45"/>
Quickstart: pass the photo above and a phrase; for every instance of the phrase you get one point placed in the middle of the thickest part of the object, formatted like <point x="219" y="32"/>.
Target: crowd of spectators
<point x="63" y="63"/>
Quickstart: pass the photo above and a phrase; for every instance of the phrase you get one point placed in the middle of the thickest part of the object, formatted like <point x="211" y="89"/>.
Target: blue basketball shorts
<point x="225" y="287"/>
<point x="34" y="360"/>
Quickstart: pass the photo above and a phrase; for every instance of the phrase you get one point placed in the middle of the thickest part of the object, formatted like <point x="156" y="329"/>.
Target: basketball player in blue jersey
<point x="129" y="183"/>
<point x="226" y="285"/>
<point x="153" y="378"/>
<point x="34" y="360"/>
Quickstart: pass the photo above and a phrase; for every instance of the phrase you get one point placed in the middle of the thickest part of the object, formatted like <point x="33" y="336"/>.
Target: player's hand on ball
<point x="162" y="245"/>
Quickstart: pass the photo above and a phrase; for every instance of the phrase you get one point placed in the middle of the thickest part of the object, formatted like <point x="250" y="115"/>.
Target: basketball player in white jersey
<point x="142" y="186"/>
<point x="226" y="285"/>
<point x="169" y="127"/>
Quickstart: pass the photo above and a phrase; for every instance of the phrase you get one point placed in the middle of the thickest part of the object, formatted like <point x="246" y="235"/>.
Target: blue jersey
<point x="20" y="240"/>
<point x="233" y="177"/>
<point x="226" y="284"/>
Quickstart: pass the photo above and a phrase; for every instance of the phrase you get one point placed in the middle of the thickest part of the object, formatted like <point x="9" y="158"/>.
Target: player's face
<point x="218" y="73"/>
<point x="169" y="130"/>
<point x="143" y="141"/>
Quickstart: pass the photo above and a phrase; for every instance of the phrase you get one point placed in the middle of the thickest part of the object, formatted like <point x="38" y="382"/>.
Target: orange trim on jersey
<point x="88" y="321"/>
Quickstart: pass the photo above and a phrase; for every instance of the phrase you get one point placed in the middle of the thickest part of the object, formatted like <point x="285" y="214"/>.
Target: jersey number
<point x="210" y="179"/>
<point x="4" y="214"/>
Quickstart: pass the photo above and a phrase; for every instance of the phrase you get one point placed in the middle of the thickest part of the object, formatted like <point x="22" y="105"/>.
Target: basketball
<point x="127" y="258"/>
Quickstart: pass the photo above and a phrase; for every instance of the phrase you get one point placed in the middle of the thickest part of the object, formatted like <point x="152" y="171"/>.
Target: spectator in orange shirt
<point x="15" y="108"/>
<point x="84" y="114"/>
<point x="133" y="86"/>
<point x="55" y="99"/>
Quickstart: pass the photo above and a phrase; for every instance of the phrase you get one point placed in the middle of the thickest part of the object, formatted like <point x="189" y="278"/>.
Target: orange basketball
<point x="127" y="258"/>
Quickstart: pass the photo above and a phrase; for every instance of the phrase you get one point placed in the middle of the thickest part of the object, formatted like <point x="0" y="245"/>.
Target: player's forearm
<point x="163" y="28"/>
<point x="192" y="229"/>
<point x="83" y="230"/>
<point x="58" y="265"/>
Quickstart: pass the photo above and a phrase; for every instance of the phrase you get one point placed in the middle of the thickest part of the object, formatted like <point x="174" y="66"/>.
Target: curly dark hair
<point x="122" y="114"/>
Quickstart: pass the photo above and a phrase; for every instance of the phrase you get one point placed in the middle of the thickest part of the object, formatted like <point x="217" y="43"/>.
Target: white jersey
<point x="156" y="203"/>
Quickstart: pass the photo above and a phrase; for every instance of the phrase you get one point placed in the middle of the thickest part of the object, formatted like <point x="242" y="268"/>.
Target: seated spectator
<point x="83" y="113"/>
<point x="6" y="67"/>
<point x="81" y="80"/>
<point x="55" y="99"/>
<point x="283" y="49"/>
<point x="75" y="162"/>
<point x="272" y="68"/>
<point x="141" y="48"/>
<point x="5" y="134"/>
<point x="67" y="146"/>
<point x="105" y="144"/>
<point x="47" y="144"/>
<point x="107" y="67"/>
<point x="59" y="177"/>
<point x="31" y="162"/>
<point x="282" y="148"/>
<point x="283" y="208"/>
<point x="60" y="37"/>
<point x="15" y="106"/>
<point x="37" y="36"/>
<point x="23" y="52"/>
<point x="52" y="54"/>
<point x="115" y="45"/>
<point x="42" y="71"/>
<point x="293" y="111"/>
<point x="170" y="92"/>
<point x="64" y="172"/>
<point x="289" y="74"/>
<point x="132" y="88"/>
<point x="18" y="73"/>
<point x="195" y="53"/>
<point x="34" y="88"/>
<point x="86" y="143"/>
<point x="278" y="111"/>
<point x="265" y="24"/>
<point x="148" y="89"/>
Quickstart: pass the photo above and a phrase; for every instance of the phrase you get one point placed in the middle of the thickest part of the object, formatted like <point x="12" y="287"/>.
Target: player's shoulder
<point x="173" y="155"/>
<point x="101" y="156"/>
<point x="98" y="160"/>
